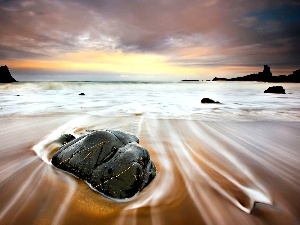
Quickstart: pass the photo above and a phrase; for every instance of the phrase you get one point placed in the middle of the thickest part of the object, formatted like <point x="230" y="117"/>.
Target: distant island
<point x="5" y="76"/>
<point x="266" y="76"/>
<point x="189" y="80"/>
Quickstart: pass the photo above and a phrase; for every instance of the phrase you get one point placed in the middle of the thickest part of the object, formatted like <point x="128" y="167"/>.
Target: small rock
<point x="275" y="90"/>
<point x="208" y="100"/>
<point x="65" y="138"/>
<point x="82" y="93"/>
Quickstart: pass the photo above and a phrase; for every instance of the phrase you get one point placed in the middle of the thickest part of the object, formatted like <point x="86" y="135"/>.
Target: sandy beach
<point x="210" y="88"/>
<point x="208" y="173"/>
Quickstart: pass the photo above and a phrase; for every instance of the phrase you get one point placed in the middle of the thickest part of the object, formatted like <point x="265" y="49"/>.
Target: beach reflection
<point x="208" y="173"/>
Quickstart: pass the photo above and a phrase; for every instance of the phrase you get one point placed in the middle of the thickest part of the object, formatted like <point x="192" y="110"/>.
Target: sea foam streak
<point x="234" y="182"/>
<point x="214" y="162"/>
<point x="208" y="167"/>
<point x="240" y="100"/>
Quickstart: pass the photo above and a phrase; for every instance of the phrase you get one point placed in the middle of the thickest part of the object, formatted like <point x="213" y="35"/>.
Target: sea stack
<point x="5" y="76"/>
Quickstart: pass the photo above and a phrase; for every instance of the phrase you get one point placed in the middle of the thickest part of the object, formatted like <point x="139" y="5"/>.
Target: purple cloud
<point x="237" y="32"/>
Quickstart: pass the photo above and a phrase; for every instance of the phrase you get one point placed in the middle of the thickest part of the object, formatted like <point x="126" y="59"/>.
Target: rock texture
<point x="64" y="139"/>
<point x="208" y="100"/>
<point x="275" y="89"/>
<point x="112" y="162"/>
<point x="5" y="76"/>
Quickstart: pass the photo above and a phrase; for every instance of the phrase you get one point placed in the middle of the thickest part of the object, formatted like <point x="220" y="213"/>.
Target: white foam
<point x="44" y="148"/>
<point x="241" y="101"/>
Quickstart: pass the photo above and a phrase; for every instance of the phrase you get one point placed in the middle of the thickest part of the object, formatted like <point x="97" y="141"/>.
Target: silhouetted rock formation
<point x="5" y="76"/>
<point x="112" y="162"/>
<point x="275" y="89"/>
<point x="292" y="78"/>
<point x="208" y="100"/>
<point x="82" y="93"/>
<point x="265" y="76"/>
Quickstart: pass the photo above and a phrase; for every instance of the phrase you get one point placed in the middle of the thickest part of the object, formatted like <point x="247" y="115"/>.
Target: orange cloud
<point x="118" y="62"/>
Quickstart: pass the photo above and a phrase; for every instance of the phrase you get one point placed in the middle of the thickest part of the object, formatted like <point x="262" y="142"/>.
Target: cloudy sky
<point x="148" y="39"/>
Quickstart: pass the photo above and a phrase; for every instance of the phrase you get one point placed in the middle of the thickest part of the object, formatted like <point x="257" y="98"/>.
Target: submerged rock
<point x="112" y="162"/>
<point x="275" y="89"/>
<point x="208" y="100"/>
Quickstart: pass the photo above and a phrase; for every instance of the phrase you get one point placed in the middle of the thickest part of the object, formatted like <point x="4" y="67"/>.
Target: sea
<point x="237" y="162"/>
<point x="159" y="100"/>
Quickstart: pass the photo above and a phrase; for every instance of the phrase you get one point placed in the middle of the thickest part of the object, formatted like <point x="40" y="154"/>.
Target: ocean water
<point x="159" y="100"/>
<point x="232" y="163"/>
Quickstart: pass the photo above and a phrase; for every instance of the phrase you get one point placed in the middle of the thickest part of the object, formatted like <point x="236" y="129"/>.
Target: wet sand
<point x="208" y="173"/>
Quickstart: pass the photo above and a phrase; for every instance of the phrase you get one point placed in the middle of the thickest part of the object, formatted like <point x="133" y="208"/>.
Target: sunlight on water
<point x="190" y="154"/>
<point x="21" y="190"/>
<point x="193" y="167"/>
<point x="210" y="172"/>
<point x="230" y="163"/>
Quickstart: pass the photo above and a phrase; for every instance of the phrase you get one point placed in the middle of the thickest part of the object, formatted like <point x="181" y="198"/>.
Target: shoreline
<point x="207" y="171"/>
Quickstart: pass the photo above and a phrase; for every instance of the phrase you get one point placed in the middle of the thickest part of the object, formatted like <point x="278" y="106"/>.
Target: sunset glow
<point x="158" y="39"/>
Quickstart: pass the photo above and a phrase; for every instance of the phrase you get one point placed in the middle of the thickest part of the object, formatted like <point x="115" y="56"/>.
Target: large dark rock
<point x="208" y="100"/>
<point x="275" y="89"/>
<point x="112" y="162"/>
<point x="5" y="76"/>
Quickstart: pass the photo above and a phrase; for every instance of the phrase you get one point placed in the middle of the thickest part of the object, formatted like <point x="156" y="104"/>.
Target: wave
<point x="151" y="100"/>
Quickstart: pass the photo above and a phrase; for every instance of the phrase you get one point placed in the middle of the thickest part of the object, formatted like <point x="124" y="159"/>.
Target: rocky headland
<point x="5" y="76"/>
<point x="266" y="76"/>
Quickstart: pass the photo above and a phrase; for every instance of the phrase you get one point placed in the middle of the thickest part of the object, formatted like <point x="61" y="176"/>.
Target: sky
<point x="148" y="39"/>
